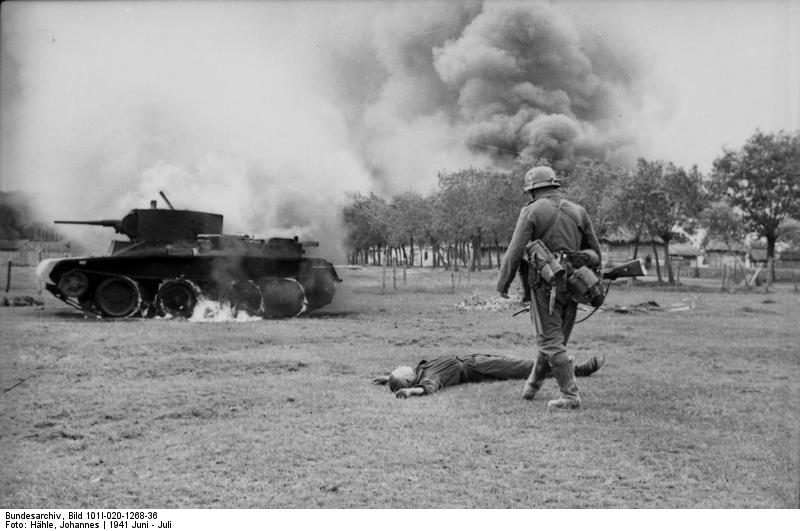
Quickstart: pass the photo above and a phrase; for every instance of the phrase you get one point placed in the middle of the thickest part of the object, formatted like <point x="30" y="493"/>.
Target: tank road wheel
<point x="320" y="287"/>
<point x="282" y="297"/>
<point x="244" y="296"/>
<point x="118" y="296"/>
<point x="73" y="284"/>
<point x="177" y="297"/>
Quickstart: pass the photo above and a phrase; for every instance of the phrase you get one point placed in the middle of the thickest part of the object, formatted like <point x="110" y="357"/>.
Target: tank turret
<point x="160" y="225"/>
<point x="175" y="258"/>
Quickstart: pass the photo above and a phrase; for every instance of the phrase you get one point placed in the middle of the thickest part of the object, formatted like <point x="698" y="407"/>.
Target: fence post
<point x="452" y="272"/>
<point x="8" y="277"/>
<point x="394" y="273"/>
<point x="724" y="275"/>
<point x="383" y="276"/>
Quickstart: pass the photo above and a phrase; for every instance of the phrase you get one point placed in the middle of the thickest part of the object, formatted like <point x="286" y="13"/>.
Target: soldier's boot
<point x="540" y="371"/>
<point x="590" y="367"/>
<point x="570" y="397"/>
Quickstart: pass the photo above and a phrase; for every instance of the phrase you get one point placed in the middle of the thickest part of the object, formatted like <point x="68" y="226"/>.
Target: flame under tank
<point x="176" y="258"/>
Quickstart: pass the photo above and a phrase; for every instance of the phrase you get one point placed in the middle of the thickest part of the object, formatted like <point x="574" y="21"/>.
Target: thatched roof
<point x="722" y="247"/>
<point x="684" y="249"/>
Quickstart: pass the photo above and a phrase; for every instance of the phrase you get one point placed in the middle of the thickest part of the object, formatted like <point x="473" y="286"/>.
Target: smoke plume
<point x="491" y="83"/>
<point x="268" y="112"/>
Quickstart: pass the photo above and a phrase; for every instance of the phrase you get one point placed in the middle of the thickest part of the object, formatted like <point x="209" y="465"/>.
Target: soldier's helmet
<point x="540" y="177"/>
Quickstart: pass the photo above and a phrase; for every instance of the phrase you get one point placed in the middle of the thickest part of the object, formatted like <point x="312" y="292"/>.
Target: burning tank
<point x="176" y="258"/>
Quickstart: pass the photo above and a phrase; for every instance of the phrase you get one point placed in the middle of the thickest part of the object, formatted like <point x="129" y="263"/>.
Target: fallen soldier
<point x="446" y="371"/>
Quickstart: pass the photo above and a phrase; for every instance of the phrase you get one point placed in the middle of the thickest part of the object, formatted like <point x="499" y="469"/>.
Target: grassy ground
<point x="694" y="408"/>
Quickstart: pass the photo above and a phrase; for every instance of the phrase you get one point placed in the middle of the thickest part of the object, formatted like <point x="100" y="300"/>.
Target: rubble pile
<point x="476" y="302"/>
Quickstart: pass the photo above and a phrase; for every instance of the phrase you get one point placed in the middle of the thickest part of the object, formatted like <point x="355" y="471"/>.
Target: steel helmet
<point x="540" y="177"/>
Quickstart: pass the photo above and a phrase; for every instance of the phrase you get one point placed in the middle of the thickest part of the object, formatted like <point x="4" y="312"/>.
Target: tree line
<point x="752" y="190"/>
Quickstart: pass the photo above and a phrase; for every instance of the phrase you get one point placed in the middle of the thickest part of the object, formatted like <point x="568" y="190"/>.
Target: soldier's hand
<point x="403" y="393"/>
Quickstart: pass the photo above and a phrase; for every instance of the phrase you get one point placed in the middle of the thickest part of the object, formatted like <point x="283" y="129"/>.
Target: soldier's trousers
<point x="553" y="329"/>
<point x="495" y="367"/>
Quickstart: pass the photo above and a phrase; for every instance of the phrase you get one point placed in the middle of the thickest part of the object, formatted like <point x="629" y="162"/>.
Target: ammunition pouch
<point x="544" y="267"/>
<point x="568" y="272"/>
<point x="585" y="287"/>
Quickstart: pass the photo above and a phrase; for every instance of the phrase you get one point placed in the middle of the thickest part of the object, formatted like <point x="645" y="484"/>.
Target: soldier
<point x="564" y="227"/>
<point x="446" y="371"/>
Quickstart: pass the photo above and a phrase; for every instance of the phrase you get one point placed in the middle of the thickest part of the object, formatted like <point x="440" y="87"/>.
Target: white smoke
<point x="211" y="103"/>
<point x="268" y="112"/>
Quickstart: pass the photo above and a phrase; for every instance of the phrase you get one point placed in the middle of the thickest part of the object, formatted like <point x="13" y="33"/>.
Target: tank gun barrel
<point x="116" y="223"/>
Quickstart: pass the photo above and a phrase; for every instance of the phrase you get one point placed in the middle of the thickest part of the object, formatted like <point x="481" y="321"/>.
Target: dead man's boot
<point x="570" y="398"/>
<point x="540" y="371"/>
<point x="590" y="367"/>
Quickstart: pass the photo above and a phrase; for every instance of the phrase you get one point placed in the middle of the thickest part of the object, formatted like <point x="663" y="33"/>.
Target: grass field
<point x="694" y="409"/>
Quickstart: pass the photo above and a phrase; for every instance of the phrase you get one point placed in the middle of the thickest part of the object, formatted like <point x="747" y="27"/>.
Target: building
<point x="31" y="252"/>
<point x="685" y="254"/>
<point x="719" y="254"/>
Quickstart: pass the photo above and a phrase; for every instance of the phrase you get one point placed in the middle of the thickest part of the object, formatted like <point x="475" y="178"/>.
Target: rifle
<point x="634" y="268"/>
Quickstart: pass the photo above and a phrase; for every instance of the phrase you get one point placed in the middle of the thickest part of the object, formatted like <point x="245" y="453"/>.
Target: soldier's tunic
<point x="571" y="231"/>
<point x="454" y="370"/>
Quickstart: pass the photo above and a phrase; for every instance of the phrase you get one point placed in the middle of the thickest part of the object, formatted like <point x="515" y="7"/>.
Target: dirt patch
<point x="750" y="309"/>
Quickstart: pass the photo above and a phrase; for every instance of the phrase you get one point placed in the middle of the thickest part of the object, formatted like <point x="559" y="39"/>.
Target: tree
<point x="670" y="199"/>
<point x="465" y="209"/>
<point x="630" y="205"/>
<point x="433" y="233"/>
<point x="408" y="213"/>
<point x="503" y="200"/>
<point x="365" y="221"/>
<point x="723" y="223"/>
<point x="762" y="179"/>
<point x="597" y="187"/>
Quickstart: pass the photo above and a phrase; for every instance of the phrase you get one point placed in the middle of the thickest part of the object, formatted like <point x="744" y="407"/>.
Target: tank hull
<point x="112" y="286"/>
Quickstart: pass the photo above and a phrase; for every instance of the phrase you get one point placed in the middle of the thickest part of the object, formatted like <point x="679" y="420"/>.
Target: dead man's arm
<point x="409" y="392"/>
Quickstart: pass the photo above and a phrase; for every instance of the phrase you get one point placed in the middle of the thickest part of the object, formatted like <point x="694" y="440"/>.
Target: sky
<point x="270" y="112"/>
<point x="727" y="69"/>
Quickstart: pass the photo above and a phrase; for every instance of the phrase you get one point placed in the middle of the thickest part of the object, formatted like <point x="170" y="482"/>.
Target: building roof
<point x="722" y="247"/>
<point x="684" y="249"/>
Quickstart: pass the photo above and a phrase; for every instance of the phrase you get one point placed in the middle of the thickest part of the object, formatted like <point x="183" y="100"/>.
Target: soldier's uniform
<point x="447" y="371"/>
<point x="564" y="227"/>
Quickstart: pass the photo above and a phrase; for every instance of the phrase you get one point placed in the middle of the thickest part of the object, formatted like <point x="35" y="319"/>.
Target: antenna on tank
<point x="167" y="200"/>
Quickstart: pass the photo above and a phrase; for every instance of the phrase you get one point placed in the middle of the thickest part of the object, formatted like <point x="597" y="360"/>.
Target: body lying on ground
<point x="446" y="371"/>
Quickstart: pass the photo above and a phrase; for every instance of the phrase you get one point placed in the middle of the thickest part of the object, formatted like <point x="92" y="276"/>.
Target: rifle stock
<point x="634" y="268"/>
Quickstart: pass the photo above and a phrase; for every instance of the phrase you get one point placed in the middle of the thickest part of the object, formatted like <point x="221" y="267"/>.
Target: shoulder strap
<point x="559" y="209"/>
<point x="552" y="222"/>
<point x="569" y="215"/>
